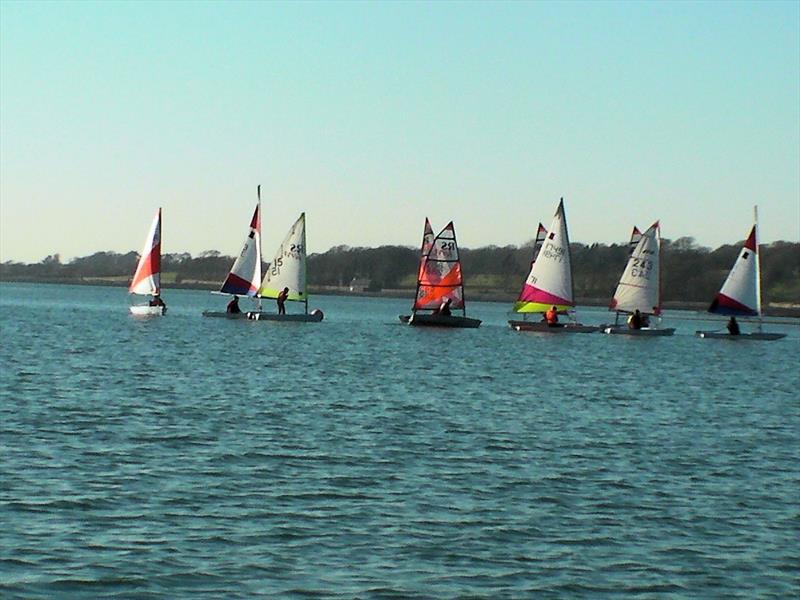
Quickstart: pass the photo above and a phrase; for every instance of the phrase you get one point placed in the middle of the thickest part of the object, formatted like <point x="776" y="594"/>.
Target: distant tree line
<point x="690" y="273"/>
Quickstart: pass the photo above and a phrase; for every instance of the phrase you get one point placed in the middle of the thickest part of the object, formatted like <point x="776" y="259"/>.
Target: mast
<point x="572" y="316"/>
<point x="758" y="267"/>
<point x="258" y="250"/>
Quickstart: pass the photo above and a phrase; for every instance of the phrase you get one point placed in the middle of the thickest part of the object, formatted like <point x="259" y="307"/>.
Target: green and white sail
<point x="288" y="267"/>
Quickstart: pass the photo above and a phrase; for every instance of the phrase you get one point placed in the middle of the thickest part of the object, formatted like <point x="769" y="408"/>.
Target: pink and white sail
<point x="740" y="294"/>
<point x="147" y="277"/>
<point x="245" y="275"/>
<point x="639" y="287"/>
<point x="549" y="282"/>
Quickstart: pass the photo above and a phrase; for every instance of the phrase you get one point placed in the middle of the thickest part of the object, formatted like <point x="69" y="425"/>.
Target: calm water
<point x="186" y="457"/>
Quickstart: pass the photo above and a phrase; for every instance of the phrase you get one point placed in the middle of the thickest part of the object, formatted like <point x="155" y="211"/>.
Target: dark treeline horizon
<point x="689" y="272"/>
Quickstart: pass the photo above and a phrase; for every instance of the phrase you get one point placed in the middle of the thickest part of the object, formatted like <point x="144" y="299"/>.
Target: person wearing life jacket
<point x="551" y="316"/>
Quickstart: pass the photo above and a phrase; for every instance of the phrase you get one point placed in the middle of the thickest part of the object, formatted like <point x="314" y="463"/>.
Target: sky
<point x="371" y="116"/>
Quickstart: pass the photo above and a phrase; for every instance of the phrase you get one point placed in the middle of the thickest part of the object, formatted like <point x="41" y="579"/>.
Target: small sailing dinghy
<point x="147" y="277"/>
<point x="245" y="274"/>
<point x="440" y="286"/>
<point x="638" y="293"/>
<point x="740" y="295"/>
<point x="549" y="283"/>
<point x="287" y="271"/>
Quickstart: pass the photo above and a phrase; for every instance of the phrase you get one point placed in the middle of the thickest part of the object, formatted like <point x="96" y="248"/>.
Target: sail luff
<point x="758" y="263"/>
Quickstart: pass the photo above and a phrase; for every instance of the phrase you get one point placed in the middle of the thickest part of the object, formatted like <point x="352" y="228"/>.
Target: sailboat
<point x="245" y="274"/>
<point x="288" y="270"/>
<point x="639" y="288"/>
<point x="440" y="286"/>
<point x="147" y="277"/>
<point x="549" y="283"/>
<point x="740" y="295"/>
<point x="427" y="242"/>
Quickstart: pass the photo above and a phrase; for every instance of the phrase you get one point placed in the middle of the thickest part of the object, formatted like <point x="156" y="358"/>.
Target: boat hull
<point x="643" y="332"/>
<point x="224" y="315"/>
<point x="440" y="321"/>
<point x="540" y="327"/>
<point x="315" y="316"/>
<point x="145" y="310"/>
<point x="719" y="335"/>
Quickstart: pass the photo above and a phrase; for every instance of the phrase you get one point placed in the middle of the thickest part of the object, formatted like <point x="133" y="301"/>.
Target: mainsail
<point x="549" y="282"/>
<point x="639" y="286"/>
<point x="147" y="277"/>
<point x="288" y="267"/>
<point x="245" y="273"/>
<point x="440" y="273"/>
<point x="740" y="292"/>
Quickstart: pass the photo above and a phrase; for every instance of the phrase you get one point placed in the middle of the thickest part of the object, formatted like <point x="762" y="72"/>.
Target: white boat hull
<point x="224" y="315"/>
<point x="538" y="326"/>
<point x="145" y="310"/>
<point x="643" y="332"/>
<point x="719" y="335"/>
<point x="315" y="316"/>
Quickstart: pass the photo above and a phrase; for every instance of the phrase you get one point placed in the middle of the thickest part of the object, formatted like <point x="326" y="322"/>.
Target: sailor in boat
<point x="233" y="306"/>
<point x="635" y="321"/>
<point x="281" y="300"/>
<point x="733" y="327"/>
<point x="444" y="308"/>
<point x="157" y="301"/>
<point x="551" y="317"/>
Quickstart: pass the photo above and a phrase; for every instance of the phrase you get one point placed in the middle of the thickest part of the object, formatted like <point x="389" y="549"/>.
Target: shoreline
<point x="480" y="295"/>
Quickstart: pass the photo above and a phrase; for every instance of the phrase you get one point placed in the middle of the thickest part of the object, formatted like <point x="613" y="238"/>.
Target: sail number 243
<point x="641" y="267"/>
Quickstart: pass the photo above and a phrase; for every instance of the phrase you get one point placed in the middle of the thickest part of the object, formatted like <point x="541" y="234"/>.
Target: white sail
<point x="549" y="282"/>
<point x="288" y="268"/>
<point x="147" y="277"/>
<point x="639" y="286"/>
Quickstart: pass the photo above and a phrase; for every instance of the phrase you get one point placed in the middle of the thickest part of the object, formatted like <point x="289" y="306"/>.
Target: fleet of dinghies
<point x="547" y="291"/>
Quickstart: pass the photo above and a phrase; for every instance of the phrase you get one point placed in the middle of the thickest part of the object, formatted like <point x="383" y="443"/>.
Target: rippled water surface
<point x="184" y="457"/>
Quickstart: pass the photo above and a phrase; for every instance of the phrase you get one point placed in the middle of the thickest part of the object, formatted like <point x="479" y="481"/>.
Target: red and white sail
<point x="636" y="235"/>
<point x="639" y="287"/>
<point x="740" y="294"/>
<point x="549" y="282"/>
<point x="427" y="242"/>
<point x="245" y="275"/>
<point x="440" y="273"/>
<point x="147" y="277"/>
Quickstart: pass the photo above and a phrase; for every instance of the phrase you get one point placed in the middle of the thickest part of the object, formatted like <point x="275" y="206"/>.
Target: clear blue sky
<point x="371" y="116"/>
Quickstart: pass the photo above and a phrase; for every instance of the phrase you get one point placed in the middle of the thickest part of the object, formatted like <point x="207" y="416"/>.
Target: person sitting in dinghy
<point x="444" y="308"/>
<point x="635" y="320"/>
<point x="233" y="306"/>
<point x="733" y="327"/>
<point x="157" y="301"/>
<point x="551" y="317"/>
